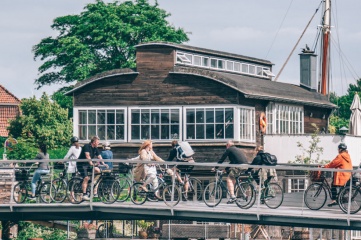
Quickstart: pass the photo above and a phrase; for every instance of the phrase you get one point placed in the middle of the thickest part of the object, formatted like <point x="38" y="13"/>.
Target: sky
<point x="262" y="29"/>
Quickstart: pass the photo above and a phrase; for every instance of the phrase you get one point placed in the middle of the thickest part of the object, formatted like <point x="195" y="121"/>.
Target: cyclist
<point x="176" y="153"/>
<point x="107" y="154"/>
<point x="89" y="151"/>
<point x="342" y="161"/>
<point x="73" y="153"/>
<point x="235" y="156"/>
<point x="147" y="171"/>
<point x="43" y="168"/>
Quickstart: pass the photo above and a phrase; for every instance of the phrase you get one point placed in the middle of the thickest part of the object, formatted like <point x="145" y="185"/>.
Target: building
<point x="202" y="96"/>
<point x="9" y="109"/>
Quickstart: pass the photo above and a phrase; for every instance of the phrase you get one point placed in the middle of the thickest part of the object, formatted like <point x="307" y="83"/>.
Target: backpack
<point x="269" y="159"/>
<point x="184" y="150"/>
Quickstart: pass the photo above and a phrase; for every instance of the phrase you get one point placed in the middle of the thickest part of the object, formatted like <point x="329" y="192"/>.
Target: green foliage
<point x="64" y="101"/>
<point x="313" y="149"/>
<point x="144" y="225"/>
<point x="24" y="149"/>
<point x="42" y="121"/>
<point x="30" y="230"/>
<point x="101" y="38"/>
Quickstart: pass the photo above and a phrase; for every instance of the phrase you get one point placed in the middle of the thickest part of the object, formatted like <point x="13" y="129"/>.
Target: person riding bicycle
<point x="235" y="156"/>
<point x="42" y="168"/>
<point x="89" y="151"/>
<point x="107" y="154"/>
<point x="176" y="152"/>
<point x="73" y="153"/>
<point x="147" y="171"/>
<point x="342" y="161"/>
<point x="264" y="173"/>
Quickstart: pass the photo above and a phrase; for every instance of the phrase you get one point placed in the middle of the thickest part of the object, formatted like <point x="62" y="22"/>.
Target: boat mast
<point x="325" y="46"/>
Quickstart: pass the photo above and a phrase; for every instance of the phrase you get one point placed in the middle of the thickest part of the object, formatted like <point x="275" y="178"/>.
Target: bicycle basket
<point x="124" y="168"/>
<point x="21" y="175"/>
<point x="317" y="176"/>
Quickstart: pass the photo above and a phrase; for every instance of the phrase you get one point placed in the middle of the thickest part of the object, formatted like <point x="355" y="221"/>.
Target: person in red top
<point x="342" y="161"/>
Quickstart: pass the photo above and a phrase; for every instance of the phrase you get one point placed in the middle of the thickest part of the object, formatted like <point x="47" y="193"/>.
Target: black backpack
<point x="269" y="159"/>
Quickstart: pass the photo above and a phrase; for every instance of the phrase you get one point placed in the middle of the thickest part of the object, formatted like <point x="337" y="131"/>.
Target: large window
<point x="154" y="123"/>
<point x="247" y="124"/>
<point x="107" y="124"/>
<point x="284" y="119"/>
<point x="209" y="123"/>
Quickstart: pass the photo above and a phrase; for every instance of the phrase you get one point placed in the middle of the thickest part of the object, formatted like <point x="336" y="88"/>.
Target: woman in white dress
<point x="73" y="153"/>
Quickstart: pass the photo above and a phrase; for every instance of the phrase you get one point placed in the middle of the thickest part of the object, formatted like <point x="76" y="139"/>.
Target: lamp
<point x="343" y="132"/>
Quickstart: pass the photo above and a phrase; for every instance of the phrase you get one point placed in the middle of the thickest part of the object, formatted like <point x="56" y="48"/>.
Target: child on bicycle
<point x="42" y="168"/>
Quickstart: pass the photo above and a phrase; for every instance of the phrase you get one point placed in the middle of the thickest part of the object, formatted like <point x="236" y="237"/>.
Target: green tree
<point x="41" y="121"/>
<point x="64" y="101"/>
<point x="101" y="38"/>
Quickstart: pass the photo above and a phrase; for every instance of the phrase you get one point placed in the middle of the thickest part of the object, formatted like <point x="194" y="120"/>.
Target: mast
<point x="325" y="47"/>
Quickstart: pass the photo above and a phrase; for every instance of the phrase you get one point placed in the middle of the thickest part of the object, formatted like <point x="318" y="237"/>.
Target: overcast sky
<point x="263" y="29"/>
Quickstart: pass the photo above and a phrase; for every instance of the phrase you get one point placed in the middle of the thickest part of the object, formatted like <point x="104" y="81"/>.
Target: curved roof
<point x="258" y="88"/>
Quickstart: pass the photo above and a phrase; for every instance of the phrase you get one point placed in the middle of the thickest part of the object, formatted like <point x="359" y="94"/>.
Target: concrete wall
<point x="285" y="146"/>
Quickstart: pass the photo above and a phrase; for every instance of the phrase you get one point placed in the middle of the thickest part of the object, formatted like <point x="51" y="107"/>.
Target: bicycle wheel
<point x="138" y="195"/>
<point x="60" y="193"/>
<point x="195" y="190"/>
<point x="108" y="190"/>
<point x="315" y="196"/>
<point x="101" y="231"/>
<point x="272" y="195"/>
<point x="212" y="194"/>
<point x="344" y="200"/>
<point x="20" y="192"/>
<point x="125" y="186"/>
<point x="246" y="195"/>
<point x="76" y="191"/>
<point x="45" y="192"/>
<point x="172" y="195"/>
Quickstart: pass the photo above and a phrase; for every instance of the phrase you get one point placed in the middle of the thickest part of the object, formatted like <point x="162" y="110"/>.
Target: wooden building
<point x="193" y="94"/>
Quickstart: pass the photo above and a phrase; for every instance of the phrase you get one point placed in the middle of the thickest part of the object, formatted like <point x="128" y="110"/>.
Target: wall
<point x="285" y="146"/>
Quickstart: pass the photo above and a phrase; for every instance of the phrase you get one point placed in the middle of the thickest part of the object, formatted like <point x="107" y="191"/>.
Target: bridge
<point x="292" y="212"/>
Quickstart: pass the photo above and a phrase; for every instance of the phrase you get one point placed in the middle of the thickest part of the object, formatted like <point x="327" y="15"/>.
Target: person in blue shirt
<point x="107" y="154"/>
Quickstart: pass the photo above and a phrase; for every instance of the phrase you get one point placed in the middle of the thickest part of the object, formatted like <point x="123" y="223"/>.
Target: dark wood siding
<point x="319" y="117"/>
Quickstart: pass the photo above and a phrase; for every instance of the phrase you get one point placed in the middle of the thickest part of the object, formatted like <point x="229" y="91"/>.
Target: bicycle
<point x="125" y="183"/>
<point x="271" y="193"/>
<point x="23" y="187"/>
<point x="354" y="201"/>
<point x="170" y="194"/>
<point x="105" y="230"/>
<point x="108" y="188"/>
<point x="194" y="189"/>
<point x="60" y="184"/>
<point x="213" y="192"/>
<point x="315" y="195"/>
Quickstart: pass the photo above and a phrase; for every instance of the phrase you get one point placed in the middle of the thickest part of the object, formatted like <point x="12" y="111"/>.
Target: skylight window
<point x="182" y="58"/>
<point x="268" y="73"/>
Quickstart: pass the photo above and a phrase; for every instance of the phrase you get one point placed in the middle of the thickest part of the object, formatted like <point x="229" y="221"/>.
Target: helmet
<point x="342" y="146"/>
<point x="74" y="139"/>
<point x="106" y="145"/>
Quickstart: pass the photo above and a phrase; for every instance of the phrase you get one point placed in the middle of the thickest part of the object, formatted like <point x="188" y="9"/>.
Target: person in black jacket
<point x="235" y="156"/>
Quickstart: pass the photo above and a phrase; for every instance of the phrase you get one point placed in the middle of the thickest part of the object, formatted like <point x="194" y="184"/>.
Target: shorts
<point x="235" y="172"/>
<point x="83" y="170"/>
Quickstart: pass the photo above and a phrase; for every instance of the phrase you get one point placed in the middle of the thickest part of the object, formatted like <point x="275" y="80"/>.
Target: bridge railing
<point x="302" y="193"/>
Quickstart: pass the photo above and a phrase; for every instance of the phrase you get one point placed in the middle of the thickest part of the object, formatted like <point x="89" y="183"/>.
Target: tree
<point x="42" y="121"/>
<point x="101" y="38"/>
<point x="64" y="101"/>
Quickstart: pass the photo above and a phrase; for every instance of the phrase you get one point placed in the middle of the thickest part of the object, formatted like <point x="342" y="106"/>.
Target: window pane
<point x="110" y="116"/>
<point x="199" y="131"/>
<point x="259" y="71"/>
<point x="174" y="129"/>
<point x="230" y="65"/>
<point x="120" y="132"/>
<point x="219" y="131"/>
<point x="82" y="117"/>
<point x="135" y="116"/>
<point x="190" y="116"/>
<point x="190" y="132"/>
<point x="155" y="115"/>
<point x="200" y="116"/>
<point x="144" y="132"/>
<point x="209" y="131"/>
<point x="120" y="117"/>
<point x="220" y="64"/>
<point x="197" y="60"/>
<point x="155" y="131"/>
<point x="245" y="68"/>
<point x="165" y="116"/>
<point x="237" y="67"/>
<point x="213" y="63"/>
<point x="145" y="115"/>
<point x="175" y="116"/>
<point x="219" y="115"/>
<point x="252" y="69"/>
<point x="164" y="132"/>
<point x="82" y="132"/>
<point x="210" y="115"/>
<point x="91" y="131"/>
<point x="101" y="131"/>
<point x="135" y="132"/>
<point x="205" y="62"/>
<point x="91" y="117"/>
<point x="111" y="132"/>
<point x="101" y="117"/>
<point x="229" y="131"/>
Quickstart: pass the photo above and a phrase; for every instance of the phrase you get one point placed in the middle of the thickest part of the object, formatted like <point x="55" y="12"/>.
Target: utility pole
<point x="326" y="26"/>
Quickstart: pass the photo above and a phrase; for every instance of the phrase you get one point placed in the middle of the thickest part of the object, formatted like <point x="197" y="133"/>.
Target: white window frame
<point x="284" y="119"/>
<point x="77" y="124"/>
<point x="251" y="131"/>
<point x="297" y="189"/>
<point x="129" y="121"/>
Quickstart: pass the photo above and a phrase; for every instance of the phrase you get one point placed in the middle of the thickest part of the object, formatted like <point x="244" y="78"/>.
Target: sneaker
<point x="86" y="198"/>
<point x="231" y="200"/>
<point x="31" y="197"/>
<point x="95" y="195"/>
<point x="332" y="204"/>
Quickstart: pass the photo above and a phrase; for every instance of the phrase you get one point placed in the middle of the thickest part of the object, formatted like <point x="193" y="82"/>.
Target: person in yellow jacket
<point x="342" y="161"/>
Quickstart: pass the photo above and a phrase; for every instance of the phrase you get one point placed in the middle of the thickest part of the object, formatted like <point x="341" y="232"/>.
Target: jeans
<point x="36" y="178"/>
